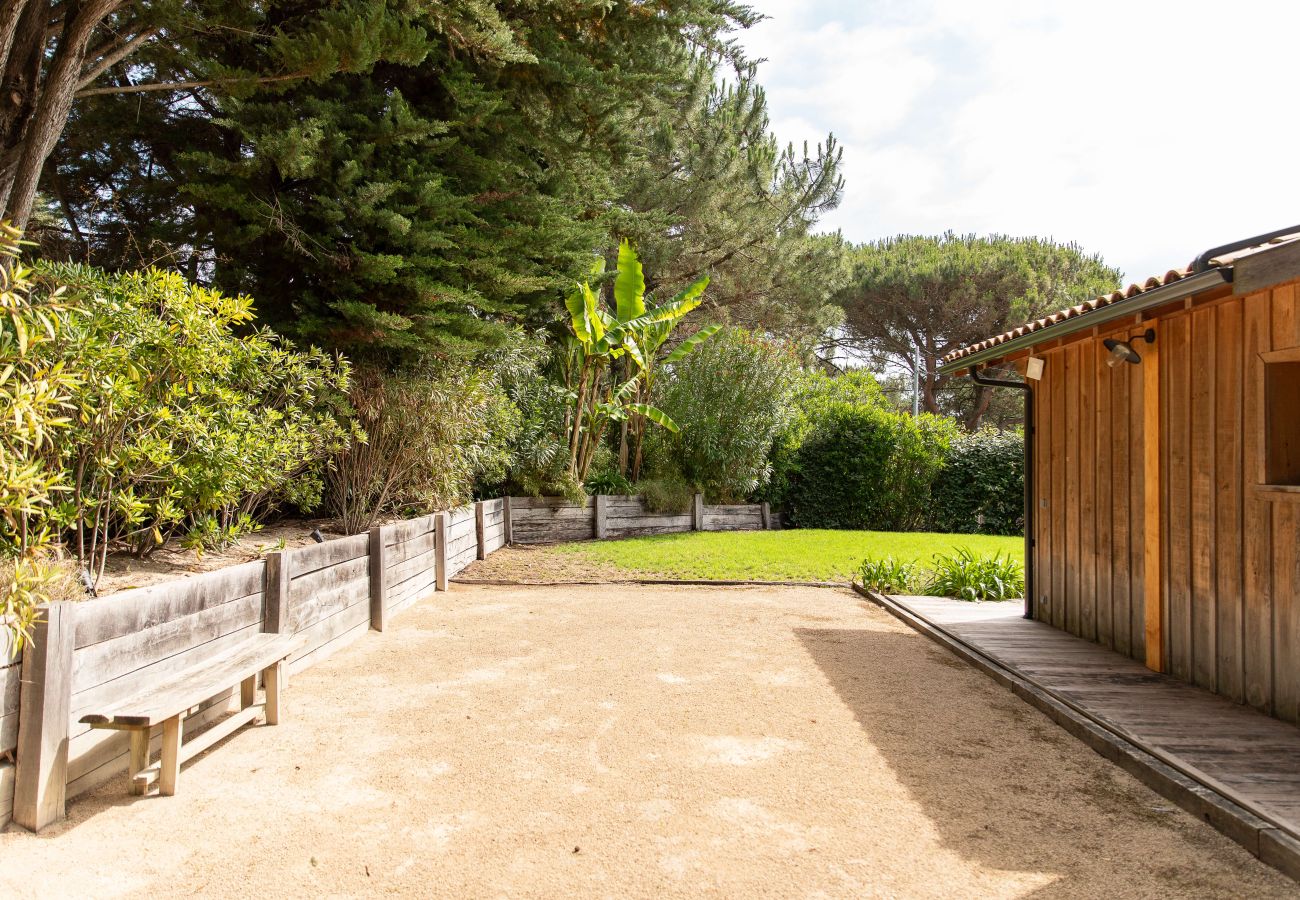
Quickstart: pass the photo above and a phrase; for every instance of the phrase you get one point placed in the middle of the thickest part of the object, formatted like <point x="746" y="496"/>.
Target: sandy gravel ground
<point x="540" y="564"/>
<point x="647" y="742"/>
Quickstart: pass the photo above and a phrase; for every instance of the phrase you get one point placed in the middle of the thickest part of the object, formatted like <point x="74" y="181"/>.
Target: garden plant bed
<point x="726" y="741"/>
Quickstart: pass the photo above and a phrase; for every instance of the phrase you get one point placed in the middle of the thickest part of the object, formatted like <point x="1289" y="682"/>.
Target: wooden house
<point x="1163" y="489"/>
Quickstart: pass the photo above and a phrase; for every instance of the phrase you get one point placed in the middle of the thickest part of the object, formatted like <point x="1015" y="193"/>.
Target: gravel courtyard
<point x="641" y="741"/>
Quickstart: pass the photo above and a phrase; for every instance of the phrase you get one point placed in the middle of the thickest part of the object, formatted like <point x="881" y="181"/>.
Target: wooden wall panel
<point x="1229" y="553"/>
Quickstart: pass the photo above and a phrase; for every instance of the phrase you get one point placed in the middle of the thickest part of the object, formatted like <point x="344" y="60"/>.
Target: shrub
<point x="730" y="398"/>
<point x="186" y="420"/>
<point x="666" y="495"/>
<point x="814" y="395"/>
<point x="428" y="436"/>
<point x="867" y="467"/>
<point x="34" y="394"/>
<point x="886" y="576"/>
<point x="608" y="481"/>
<point x="980" y="488"/>
<point x="968" y="576"/>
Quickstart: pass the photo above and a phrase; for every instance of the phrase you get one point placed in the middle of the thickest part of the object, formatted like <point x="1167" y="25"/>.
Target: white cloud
<point x="1144" y="130"/>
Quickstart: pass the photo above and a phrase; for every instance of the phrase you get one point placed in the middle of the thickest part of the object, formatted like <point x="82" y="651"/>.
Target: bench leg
<point x="139" y="760"/>
<point x="171" y="756"/>
<point x="273" y="681"/>
<point x="248" y="692"/>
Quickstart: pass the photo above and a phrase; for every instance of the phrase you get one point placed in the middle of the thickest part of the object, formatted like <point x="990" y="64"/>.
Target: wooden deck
<point x="1251" y="761"/>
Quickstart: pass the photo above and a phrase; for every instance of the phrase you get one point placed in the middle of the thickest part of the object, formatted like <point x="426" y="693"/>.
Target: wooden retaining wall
<point x="548" y="520"/>
<point x="97" y="652"/>
<point x="93" y="653"/>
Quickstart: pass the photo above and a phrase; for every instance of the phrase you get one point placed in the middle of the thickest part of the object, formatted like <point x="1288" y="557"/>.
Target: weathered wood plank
<point x="633" y="522"/>
<point x="139" y="679"/>
<point x="480" y="522"/>
<point x="376" y="574"/>
<point x="1204" y="652"/>
<point x="1229" y="525"/>
<point x="43" y="707"/>
<point x="107" y="660"/>
<point x="1257" y="513"/>
<point x="329" y="635"/>
<point x="1043" y="489"/>
<point x="1178" y="491"/>
<point x="1286" y="535"/>
<point x="411" y="528"/>
<point x="10" y="686"/>
<point x="1058" y="386"/>
<point x="6" y="793"/>
<point x="1088" y="364"/>
<point x="277" y="600"/>
<point x="1073" y="466"/>
<point x="327" y="579"/>
<point x="416" y="546"/>
<point x="404" y="570"/>
<point x="135" y="610"/>
<point x="519" y="505"/>
<point x="169" y="698"/>
<point x="1152" y="626"/>
<point x="1122" y="433"/>
<point x="320" y="556"/>
<point x="556" y="514"/>
<point x="1137" y="511"/>
<point x="97" y="755"/>
<point x="403" y="595"/>
<point x="310" y="610"/>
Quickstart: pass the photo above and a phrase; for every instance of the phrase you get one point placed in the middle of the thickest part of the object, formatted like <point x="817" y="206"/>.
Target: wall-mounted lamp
<point x="1122" y="351"/>
<point x="317" y="536"/>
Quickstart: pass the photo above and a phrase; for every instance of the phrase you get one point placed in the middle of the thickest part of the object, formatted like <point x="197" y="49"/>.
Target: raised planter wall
<point x="95" y="652"/>
<point x="550" y="520"/>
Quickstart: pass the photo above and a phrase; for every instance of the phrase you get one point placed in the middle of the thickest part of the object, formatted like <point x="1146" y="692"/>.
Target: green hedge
<point x="864" y="466"/>
<point x="984" y="475"/>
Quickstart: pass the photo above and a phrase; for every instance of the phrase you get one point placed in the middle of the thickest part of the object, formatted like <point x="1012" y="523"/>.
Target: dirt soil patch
<point x="543" y="564"/>
<point x="646" y="742"/>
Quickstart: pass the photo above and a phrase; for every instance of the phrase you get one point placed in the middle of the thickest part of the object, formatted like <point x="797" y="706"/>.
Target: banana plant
<point x="600" y="338"/>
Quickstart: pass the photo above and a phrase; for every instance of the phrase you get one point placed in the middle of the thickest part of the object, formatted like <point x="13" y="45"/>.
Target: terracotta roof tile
<point x="1133" y="290"/>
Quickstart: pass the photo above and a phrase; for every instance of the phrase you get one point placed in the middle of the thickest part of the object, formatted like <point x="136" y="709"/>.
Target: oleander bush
<point x="186" y="420"/>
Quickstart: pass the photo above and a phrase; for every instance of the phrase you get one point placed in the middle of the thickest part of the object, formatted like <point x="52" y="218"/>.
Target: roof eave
<point x="1184" y="287"/>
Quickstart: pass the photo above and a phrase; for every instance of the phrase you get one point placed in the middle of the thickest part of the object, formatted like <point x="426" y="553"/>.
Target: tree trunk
<point x="34" y="112"/>
<point x="983" y="397"/>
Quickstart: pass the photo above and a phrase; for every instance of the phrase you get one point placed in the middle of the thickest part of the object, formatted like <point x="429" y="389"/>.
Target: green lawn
<point x="798" y="555"/>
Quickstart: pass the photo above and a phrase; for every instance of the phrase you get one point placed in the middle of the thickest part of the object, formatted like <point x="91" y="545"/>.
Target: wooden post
<point x="697" y="513"/>
<point x="601" y="514"/>
<point x="378" y="585"/>
<point x="440" y="550"/>
<point x="1152" y="533"/>
<point x="766" y="512"/>
<point x="169" y="769"/>
<point x="478" y="529"/>
<point x="45" y="701"/>
<point x="509" y="536"/>
<point x="279" y="571"/>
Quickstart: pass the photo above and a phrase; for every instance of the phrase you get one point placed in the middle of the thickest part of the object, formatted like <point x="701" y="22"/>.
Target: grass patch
<point x="798" y="555"/>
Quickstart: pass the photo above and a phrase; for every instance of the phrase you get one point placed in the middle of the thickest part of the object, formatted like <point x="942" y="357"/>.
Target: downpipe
<point x="1028" y="390"/>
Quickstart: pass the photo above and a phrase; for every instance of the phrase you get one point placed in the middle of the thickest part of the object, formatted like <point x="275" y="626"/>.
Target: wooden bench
<point x="167" y="703"/>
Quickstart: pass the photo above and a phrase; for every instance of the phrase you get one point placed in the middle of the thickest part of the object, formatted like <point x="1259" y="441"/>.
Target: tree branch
<point x="185" y="85"/>
<point x="112" y="57"/>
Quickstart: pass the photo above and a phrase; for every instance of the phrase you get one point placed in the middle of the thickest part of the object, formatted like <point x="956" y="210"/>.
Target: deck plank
<point x="1244" y="753"/>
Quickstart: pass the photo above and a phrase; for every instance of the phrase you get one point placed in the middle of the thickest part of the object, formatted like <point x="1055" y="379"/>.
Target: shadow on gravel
<point x="1003" y="785"/>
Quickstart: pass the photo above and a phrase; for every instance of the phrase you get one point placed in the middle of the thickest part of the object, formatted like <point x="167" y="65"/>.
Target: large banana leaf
<point x="576" y="304"/>
<point x="654" y="414"/>
<point x="691" y="343"/>
<point x="629" y="286"/>
<point x="591" y="309"/>
<point x="694" y="291"/>
<point x="627" y="389"/>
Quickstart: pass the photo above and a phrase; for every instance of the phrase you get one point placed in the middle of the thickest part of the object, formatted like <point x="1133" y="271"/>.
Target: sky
<point x="1144" y="130"/>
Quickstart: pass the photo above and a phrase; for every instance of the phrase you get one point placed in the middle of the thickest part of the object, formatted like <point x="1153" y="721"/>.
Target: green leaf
<point x="693" y="292"/>
<point x="692" y="342"/>
<point x="591" y="306"/>
<point x="634" y="350"/>
<point x="629" y="286"/>
<point x="576" y="305"/>
<point x="654" y="414"/>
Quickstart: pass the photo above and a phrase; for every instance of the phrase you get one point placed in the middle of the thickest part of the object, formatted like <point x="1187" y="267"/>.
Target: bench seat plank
<point x="195" y="684"/>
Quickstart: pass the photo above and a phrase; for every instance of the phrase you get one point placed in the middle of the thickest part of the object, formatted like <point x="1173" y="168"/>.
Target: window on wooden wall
<point x="1282" y="418"/>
